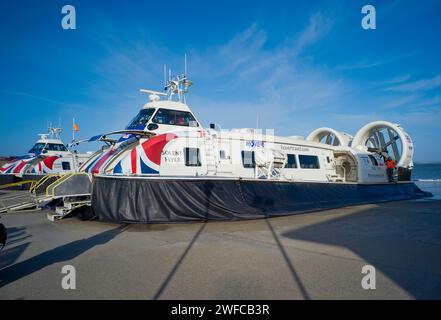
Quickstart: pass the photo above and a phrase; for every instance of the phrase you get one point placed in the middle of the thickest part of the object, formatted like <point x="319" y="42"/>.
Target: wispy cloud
<point x="362" y="65"/>
<point x="31" y="96"/>
<point x="395" y="80"/>
<point x="243" y="76"/>
<point x="318" y="26"/>
<point x="396" y="102"/>
<point x="427" y="103"/>
<point x="415" y="86"/>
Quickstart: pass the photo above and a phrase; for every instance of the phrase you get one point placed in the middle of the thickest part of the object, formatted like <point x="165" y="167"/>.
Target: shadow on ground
<point x="10" y="254"/>
<point x="62" y="253"/>
<point x="403" y="242"/>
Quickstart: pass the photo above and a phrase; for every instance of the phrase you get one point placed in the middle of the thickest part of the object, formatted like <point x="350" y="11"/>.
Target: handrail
<point x="58" y="182"/>
<point x="43" y="180"/>
<point x="16" y="184"/>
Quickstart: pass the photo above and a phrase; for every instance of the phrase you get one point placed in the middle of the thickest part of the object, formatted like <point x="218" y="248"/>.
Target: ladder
<point x="210" y="154"/>
<point x="67" y="207"/>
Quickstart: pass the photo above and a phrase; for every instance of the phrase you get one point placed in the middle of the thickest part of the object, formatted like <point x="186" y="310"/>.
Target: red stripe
<point x="5" y="168"/>
<point x="153" y="147"/>
<point x="134" y="156"/>
<point x="39" y="167"/>
<point x="97" y="166"/>
<point x="49" y="161"/>
<point x="19" y="167"/>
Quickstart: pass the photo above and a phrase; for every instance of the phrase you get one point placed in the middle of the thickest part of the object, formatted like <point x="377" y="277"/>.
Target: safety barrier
<point x="70" y="185"/>
<point x="18" y="184"/>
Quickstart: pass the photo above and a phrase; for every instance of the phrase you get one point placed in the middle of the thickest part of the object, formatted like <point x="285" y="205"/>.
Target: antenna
<point x="185" y="65"/>
<point x="73" y="129"/>
<point x="165" y="75"/>
<point x="174" y="85"/>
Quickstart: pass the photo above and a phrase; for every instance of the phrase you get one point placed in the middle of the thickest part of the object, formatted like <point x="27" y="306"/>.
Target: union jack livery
<point x="48" y="155"/>
<point x="17" y="165"/>
<point x="132" y="156"/>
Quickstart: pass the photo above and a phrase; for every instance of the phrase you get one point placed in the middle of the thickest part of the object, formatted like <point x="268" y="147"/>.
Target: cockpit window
<point x="55" y="147"/>
<point x="37" y="148"/>
<point x="175" y="118"/>
<point x="141" y="119"/>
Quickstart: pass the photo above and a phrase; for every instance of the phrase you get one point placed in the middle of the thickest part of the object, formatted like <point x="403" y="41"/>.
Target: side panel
<point x="168" y="200"/>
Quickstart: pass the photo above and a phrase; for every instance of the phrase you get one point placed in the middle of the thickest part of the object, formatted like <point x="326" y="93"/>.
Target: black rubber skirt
<point x="149" y="200"/>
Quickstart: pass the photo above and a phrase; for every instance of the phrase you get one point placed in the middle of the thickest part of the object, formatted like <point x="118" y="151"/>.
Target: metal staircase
<point x="70" y="191"/>
<point x="210" y="154"/>
<point x="73" y="190"/>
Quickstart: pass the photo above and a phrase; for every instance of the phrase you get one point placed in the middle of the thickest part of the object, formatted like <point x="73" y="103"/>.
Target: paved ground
<point x="313" y="256"/>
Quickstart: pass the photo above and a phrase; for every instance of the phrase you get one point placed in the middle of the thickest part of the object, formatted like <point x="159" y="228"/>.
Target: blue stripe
<point x="146" y="169"/>
<point x="118" y="168"/>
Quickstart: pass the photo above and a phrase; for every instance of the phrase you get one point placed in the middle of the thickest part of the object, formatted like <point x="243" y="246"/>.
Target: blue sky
<point x="296" y="65"/>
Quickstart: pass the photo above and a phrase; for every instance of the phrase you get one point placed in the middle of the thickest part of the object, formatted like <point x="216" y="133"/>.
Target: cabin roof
<point x="54" y="141"/>
<point x="167" y="104"/>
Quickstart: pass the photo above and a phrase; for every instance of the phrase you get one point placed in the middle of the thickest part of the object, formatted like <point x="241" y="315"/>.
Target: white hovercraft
<point x="167" y="167"/>
<point x="49" y="155"/>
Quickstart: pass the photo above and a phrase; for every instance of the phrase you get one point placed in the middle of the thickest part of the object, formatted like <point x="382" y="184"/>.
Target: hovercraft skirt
<point x="147" y="200"/>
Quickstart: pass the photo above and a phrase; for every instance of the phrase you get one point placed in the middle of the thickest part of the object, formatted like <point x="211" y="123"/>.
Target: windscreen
<point x="141" y="119"/>
<point x="37" y="148"/>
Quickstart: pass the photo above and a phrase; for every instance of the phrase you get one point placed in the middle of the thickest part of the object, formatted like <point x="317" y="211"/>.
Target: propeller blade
<point x="394" y="144"/>
<point x="390" y="142"/>
<point x="370" y="149"/>
<point x="381" y="140"/>
<point x="336" y="141"/>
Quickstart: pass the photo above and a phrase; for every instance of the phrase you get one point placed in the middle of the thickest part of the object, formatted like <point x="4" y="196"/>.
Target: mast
<point x="174" y="85"/>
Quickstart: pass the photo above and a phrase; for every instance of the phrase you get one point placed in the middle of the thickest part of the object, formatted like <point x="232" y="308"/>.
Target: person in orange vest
<point x="390" y="166"/>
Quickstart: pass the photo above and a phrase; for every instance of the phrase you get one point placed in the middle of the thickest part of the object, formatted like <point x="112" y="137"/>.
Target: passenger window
<point x="65" y="166"/>
<point x="248" y="159"/>
<point x="192" y="157"/>
<point x="309" y="162"/>
<point x="291" y="162"/>
<point x="175" y="118"/>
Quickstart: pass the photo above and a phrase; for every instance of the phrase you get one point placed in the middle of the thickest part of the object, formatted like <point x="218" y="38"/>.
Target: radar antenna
<point x="174" y="86"/>
<point x="52" y="132"/>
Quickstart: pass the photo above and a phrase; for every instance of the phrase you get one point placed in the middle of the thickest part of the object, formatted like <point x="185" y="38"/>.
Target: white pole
<point x="165" y="75"/>
<point x="73" y="129"/>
